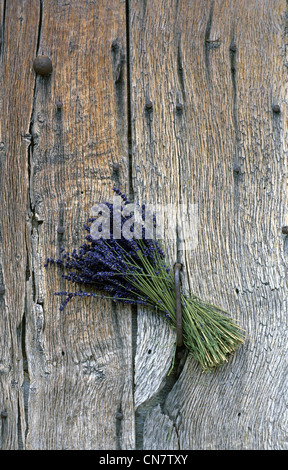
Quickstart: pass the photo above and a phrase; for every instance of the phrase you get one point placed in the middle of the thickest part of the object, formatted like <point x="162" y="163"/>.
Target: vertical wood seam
<point x="206" y="39"/>
<point x="129" y="120"/>
<point x="39" y="26"/>
<point x="32" y="223"/>
<point x="134" y="326"/>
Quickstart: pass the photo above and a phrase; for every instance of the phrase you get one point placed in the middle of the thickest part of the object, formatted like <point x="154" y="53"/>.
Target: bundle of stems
<point x="135" y="271"/>
<point x="209" y="333"/>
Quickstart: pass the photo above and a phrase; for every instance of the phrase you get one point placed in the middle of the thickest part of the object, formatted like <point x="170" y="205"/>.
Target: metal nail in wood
<point x="177" y="269"/>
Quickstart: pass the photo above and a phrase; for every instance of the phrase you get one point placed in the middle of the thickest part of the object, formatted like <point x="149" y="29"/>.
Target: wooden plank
<point x="223" y="149"/>
<point x="80" y="360"/>
<point x="19" y="30"/>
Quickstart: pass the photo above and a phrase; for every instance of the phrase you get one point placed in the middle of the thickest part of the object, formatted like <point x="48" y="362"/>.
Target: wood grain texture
<point x="77" y="372"/>
<point x="224" y="151"/>
<point x="82" y="358"/>
<point x="150" y="376"/>
<point x="19" y="26"/>
<point x="209" y="139"/>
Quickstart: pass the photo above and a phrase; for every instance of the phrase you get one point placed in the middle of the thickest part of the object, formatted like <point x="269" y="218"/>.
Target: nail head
<point x="237" y="169"/>
<point x="149" y="105"/>
<point x="114" y="45"/>
<point x="233" y="47"/>
<point x="60" y="229"/>
<point x="116" y="166"/>
<point x="4" y="414"/>
<point x="42" y="65"/>
<point x="179" y="106"/>
<point x="2" y="290"/>
<point x="276" y="108"/>
<point x="285" y="230"/>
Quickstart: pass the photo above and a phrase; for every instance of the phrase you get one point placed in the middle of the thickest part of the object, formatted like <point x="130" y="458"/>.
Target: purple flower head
<point x="111" y="267"/>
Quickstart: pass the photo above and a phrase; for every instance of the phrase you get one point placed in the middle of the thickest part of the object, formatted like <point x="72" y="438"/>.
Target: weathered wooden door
<point x="170" y="101"/>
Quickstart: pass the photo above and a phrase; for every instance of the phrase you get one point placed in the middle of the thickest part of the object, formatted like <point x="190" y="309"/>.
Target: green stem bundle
<point x="209" y="333"/>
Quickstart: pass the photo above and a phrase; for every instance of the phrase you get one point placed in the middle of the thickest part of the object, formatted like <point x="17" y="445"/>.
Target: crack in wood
<point x="40" y="24"/>
<point x="180" y="69"/>
<point x="23" y="420"/>
<point x="129" y="98"/>
<point x="33" y="224"/>
<point x="159" y="399"/>
<point x="234" y="91"/>
<point x="237" y="174"/>
<point x="119" y="417"/>
<point x="118" y="62"/>
<point x="207" y="45"/>
<point x="119" y="414"/>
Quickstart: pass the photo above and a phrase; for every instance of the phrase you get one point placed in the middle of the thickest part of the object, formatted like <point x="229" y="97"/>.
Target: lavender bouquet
<point x="135" y="271"/>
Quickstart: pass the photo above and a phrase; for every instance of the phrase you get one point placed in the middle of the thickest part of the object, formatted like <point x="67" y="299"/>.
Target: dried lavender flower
<point x="135" y="271"/>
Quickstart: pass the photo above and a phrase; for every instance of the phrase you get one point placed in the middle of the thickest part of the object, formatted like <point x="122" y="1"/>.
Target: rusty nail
<point x="43" y="65"/>
<point x="179" y="106"/>
<point x="149" y="105"/>
<point x="179" y="326"/>
<point x="116" y="166"/>
<point x="4" y="414"/>
<point x="233" y="47"/>
<point x="285" y="230"/>
<point x="276" y="108"/>
<point x="60" y="229"/>
<point x="114" y="45"/>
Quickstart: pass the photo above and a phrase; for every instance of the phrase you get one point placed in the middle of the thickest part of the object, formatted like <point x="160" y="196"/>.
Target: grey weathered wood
<point x="78" y="371"/>
<point x="19" y="25"/>
<point x="181" y="52"/>
<point x="213" y="71"/>
<point x="82" y="358"/>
